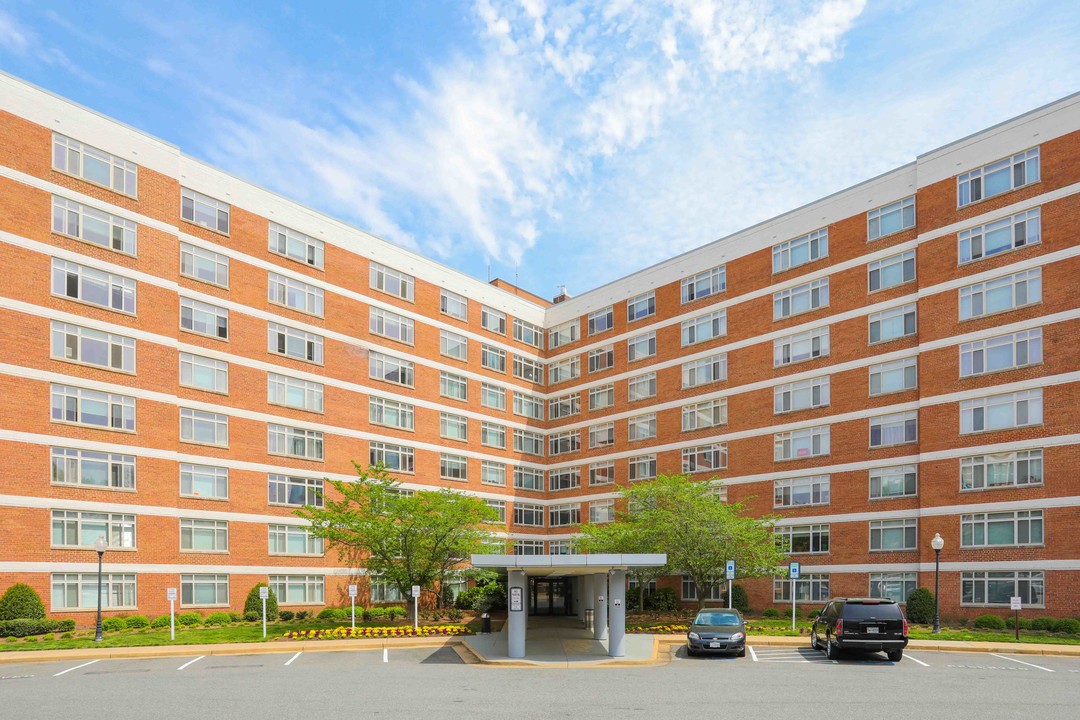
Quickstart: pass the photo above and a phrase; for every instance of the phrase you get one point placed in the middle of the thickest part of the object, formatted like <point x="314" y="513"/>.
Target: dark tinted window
<point x="862" y="611"/>
<point x="716" y="619"/>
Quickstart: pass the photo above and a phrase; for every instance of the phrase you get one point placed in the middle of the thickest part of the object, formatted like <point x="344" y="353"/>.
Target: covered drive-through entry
<point x="590" y="587"/>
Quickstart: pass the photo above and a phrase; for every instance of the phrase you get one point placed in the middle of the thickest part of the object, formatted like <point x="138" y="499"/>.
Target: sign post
<point x="793" y="574"/>
<point x="1016" y="604"/>
<point x="729" y="573"/>
<point x="264" y="592"/>
<point x="170" y="593"/>
<point x="416" y="606"/>
<point x="352" y="602"/>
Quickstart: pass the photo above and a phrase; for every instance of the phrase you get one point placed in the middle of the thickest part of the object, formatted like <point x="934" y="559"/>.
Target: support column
<point x="579" y="597"/>
<point x="517" y="614"/>
<point x="600" y="603"/>
<point x="617" y="643"/>
<point x="588" y="587"/>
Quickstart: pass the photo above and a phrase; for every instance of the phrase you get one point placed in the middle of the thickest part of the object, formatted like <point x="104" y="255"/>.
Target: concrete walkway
<point x="559" y="642"/>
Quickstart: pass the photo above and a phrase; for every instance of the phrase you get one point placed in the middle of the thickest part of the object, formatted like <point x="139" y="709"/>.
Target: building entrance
<point x="550" y="596"/>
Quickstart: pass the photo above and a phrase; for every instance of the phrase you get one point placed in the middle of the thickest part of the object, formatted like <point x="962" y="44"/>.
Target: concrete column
<point x="617" y="614"/>
<point x="516" y="619"/>
<point x="588" y="589"/>
<point x="600" y="604"/>
<point x="579" y="601"/>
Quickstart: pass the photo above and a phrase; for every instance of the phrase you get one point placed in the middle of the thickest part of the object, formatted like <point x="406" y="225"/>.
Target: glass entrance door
<point x="550" y="596"/>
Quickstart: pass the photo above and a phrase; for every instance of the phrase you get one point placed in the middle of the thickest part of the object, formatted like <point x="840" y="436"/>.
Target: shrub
<point x="455" y="615"/>
<point x="739" y="599"/>
<point x="1044" y="624"/>
<point x="326" y="614"/>
<point x="20" y="602"/>
<point x="394" y="612"/>
<point x="66" y="636"/>
<point x="1025" y="623"/>
<point x="236" y="617"/>
<point x="375" y="613"/>
<point x="218" y="618"/>
<point x="467" y="598"/>
<point x="663" y="600"/>
<point x="989" y="622"/>
<point x="114" y="624"/>
<point x="770" y="613"/>
<point x="1067" y="625"/>
<point x="162" y="621"/>
<point x="189" y="618"/>
<point x="252" y="616"/>
<point x="138" y="622"/>
<point x="920" y="606"/>
<point x="253" y="602"/>
<point x="303" y="615"/>
<point x="286" y="615"/>
<point x="812" y="613"/>
<point x="26" y="627"/>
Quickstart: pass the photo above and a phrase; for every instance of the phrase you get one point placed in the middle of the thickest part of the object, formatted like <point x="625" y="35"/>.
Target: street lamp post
<point x="100" y="544"/>
<point x="937" y="543"/>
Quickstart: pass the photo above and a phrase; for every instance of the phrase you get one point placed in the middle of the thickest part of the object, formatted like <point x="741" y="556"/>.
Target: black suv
<point x="868" y="624"/>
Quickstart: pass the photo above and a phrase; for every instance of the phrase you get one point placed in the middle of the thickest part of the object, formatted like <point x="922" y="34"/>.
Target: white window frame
<point x="396" y="458"/>
<point x="1002" y="470"/>
<point x="1020" y="170"/>
<point x="818" y="538"/>
<point x="1028" y="585"/>
<point x="1028" y="528"/>
<point x="601" y="396"/>
<point x="880" y="529"/>
<point x="191" y="583"/>
<point x="909" y="323"/>
<point x="564" y="406"/>
<point x="704" y="458"/>
<point x="453" y="467"/>
<point x="205" y="482"/>
<point x="641" y="387"/>
<point x="70" y="157"/>
<point x="896" y="586"/>
<point x="493" y="435"/>
<point x="70" y="407"/>
<point x="800" y="347"/>
<point x="563" y="370"/>
<point x="704" y="328"/>
<point x="789" y="254"/>
<point x="564" y="479"/>
<point x="641" y="467"/>
<point x="392" y="282"/>
<point x="1022" y="288"/>
<point x="704" y="414"/>
<point x="492" y="358"/>
<point x="453" y="427"/>
<point x="97" y="227"/>
<point x="602" y="473"/>
<point x="281" y="538"/>
<point x="567" y="441"/>
<point x="453" y="305"/>
<point x="204" y="265"/>
<point x="815" y="292"/>
<point x="449" y="382"/>
<point x="68" y="277"/>
<point x="1023" y="348"/>
<point x="204" y="373"/>
<point x="602" y="435"/>
<point x="297" y="295"/>
<point x="1017" y="231"/>
<point x="602" y="359"/>
<point x="453" y="345"/>
<point x="283" y="490"/>
<point x="73" y="343"/>
<point x="297" y="246"/>
<point x="894" y="376"/>
<point x="902" y="211"/>
<point x="528" y="369"/>
<point x="529" y="515"/>
<point x="1025" y="408"/>
<point x="704" y="371"/>
<point x="73" y="467"/>
<point x="528" y="406"/>
<point x="886" y="481"/>
<point x="641" y="306"/>
<point x="907" y="421"/>
<point x="295" y="442"/>
<point x="204" y="211"/>
<point x="802" y="491"/>
<point x="294" y="393"/>
<point x="704" y="284"/>
<point x="195" y="532"/>
<point x="493" y="473"/>
<point x="492" y="396"/>
<point x="601" y="511"/>
<point x="816" y="441"/>
<point x="802" y="395"/>
<point x="493" y="320"/>
<point x="204" y="319"/>
<point x="879" y="274"/>
<point x="600" y="321"/>
<point x="80" y="529"/>
<point x="528" y="478"/>
<point x="564" y="334"/>
<point x="284" y="340"/>
<point x="528" y="333"/>
<point x="641" y="347"/>
<point x="390" y="369"/>
<point x="564" y="515"/>
<point x="391" y="413"/>
<point x="118" y="591"/>
<point x="528" y="442"/>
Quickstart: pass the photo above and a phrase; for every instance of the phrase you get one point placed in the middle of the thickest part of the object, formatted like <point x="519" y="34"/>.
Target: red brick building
<point x="185" y="357"/>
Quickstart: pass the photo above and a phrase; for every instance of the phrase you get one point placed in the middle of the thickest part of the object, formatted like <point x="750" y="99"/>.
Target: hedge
<point x="162" y="621"/>
<point x="21" y="602"/>
<point x="989" y="622"/>
<point x="114" y="624"/>
<point x="25" y="627"/>
<point x="136" y="622"/>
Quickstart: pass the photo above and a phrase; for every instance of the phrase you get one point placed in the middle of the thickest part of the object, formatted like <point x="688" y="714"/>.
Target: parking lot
<point x="413" y="683"/>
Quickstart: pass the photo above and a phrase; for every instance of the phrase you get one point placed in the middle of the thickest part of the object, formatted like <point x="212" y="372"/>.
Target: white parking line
<point x="385" y="657"/>
<point x="753" y="654"/>
<point x="914" y="659"/>
<point x="191" y="662"/>
<point x="290" y="660"/>
<point x="1022" y="662"/>
<point x="74" y="668"/>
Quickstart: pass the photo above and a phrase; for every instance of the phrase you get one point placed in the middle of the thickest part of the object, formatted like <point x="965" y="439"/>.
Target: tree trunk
<point x="641" y="597"/>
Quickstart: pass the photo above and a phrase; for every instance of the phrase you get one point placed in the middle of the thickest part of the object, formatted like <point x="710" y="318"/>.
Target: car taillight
<point x="905" y="627"/>
<point x="839" y="627"/>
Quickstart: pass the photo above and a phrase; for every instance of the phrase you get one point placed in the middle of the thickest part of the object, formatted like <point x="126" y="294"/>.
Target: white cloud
<point x="13" y="37"/>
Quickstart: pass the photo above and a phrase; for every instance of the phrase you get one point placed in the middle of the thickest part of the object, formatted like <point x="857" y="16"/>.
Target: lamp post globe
<point x="937" y="543"/>
<point x="99" y="545"/>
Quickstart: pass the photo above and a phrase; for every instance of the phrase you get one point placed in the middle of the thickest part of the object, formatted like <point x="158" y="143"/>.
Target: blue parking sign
<point x="729" y="570"/>
<point x="793" y="570"/>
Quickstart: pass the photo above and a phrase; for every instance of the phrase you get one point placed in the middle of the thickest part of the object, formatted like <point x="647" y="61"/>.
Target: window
<point x="204" y="210"/>
<point x="563" y="370"/>
<point x="601" y="473"/>
<point x="801" y="250"/>
<point x="800" y="299"/>
<point x="204" y="535"/>
<point x="103" y="289"/>
<point x="601" y="320"/>
<point x="391" y="413"/>
<point x="995" y="588"/>
<point x="493" y="435"/>
<point x="307" y="298"/>
<point x="1004" y="293"/>
<point x="530" y="443"/>
<point x="892" y="324"/>
<point x="641" y="387"/>
<point x="294" y="393"/>
<point x="207" y="428"/>
<point x="801" y="346"/>
<point x="499" y="506"/>
<point x="891" y="218"/>
<point x="296" y="246"/>
<point x="529" y="370"/>
<point x="689" y="590"/>
<point x="997" y="177"/>
<point x="601" y="358"/>
<point x="392" y="282"/>
<point x="1004" y="352"/>
<point x="294" y="442"/>
<point x="72" y="591"/>
<point x="453" y="427"/>
<point x="803" y="538"/>
<point x="602" y="435"/>
<point x="204" y="590"/>
<point x="527" y="478"/>
<point x="704" y="458"/>
<point x="204" y="373"/>
<point x="492" y="396"/>
<point x="93" y="408"/>
<point x="454" y="305"/>
<point x="298" y="589"/>
<point x="1000" y="236"/>
<point x="704" y="284"/>
<point x="564" y="406"/>
<point x="894" y="482"/>
<point x="564" y="334"/>
<point x="528" y="406"/>
<point x="453" y="467"/>
<point x="92" y="469"/>
<point x="204" y="481"/>
<point x="561" y="547"/>
<point x="296" y="344"/>
<point x="566" y="479"/>
<point x="641" y="306"/>
<point x="450" y="343"/>
<point x="382" y="592"/>
<point x="81" y="529"/>
<point x="895" y="429"/>
<point x="528" y="333"/>
<point x="642" y="467"/>
<point x="642" y="346"/>
<point x="96" y="166"/>
<point x="390" y="369"/>
<point x="528" y="547"/>
<point x="73" y="343"/>
<point x="1002" y="470"/>
<point x="893" y="534"/>
<point x="704" y="371"/>
<point x="704" y="327"/>
<point x="1019" y="527"/>
<point x="201" y="264"/>
<point x="601" y="397"/>
<point x="295" y="491"/>
<point x="797" y="444"/>
<point x="999" y="412"/>
<point x="204" y="319"/>
<point x="395" y="458"/>
<point x="494" y="473"/>
<point x="529" y="515"/>
<point x="801" y="395"/>
<point x="94" y="226"/>
<point x="896" y="586"/>
<point x="493" y="358"/>
<point x="801" y="492"/>
<point x="602" y="511"/>
<point x="493" y="320"/>
<point x="891" y="271"/>
<point x="564" y="442"/>
<point x="453" y="386"/>
<point x="709" y="413"/>
<point x="563" y="515"/>
<point x="894" y="376"/>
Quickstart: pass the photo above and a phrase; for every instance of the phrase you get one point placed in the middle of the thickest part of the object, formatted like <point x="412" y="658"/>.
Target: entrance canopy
<point x="568" y="565"/>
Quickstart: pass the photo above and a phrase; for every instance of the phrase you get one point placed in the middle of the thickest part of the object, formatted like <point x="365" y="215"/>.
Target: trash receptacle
<point x="485" y="623"/>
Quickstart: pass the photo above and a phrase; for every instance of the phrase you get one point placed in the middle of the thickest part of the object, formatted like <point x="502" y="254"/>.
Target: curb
<point x="967" y="646"/>
<point x="464" y="649"/>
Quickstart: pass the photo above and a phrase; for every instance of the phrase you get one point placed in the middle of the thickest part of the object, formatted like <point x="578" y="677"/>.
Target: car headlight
<point x="738" y="636"/>
<point x="694" y="636"/>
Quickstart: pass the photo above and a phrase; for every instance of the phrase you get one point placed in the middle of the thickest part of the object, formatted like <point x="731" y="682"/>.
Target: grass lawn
<point x="1026" y="636"/>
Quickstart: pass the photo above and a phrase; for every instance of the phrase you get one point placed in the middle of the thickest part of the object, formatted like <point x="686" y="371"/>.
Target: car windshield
<point x="717" y="618"/>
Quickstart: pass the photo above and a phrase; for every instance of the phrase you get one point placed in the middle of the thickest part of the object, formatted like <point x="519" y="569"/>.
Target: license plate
<point x="716" y="644"/>
<point x="872" y="630"/>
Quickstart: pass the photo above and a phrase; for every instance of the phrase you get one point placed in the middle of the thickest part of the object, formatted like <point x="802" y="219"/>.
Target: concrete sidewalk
<point x="560" y="643"/>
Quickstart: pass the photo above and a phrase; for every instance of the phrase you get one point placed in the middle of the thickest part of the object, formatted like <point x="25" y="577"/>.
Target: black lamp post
<point x="100" y="544"/>
<point x="937" y="543"/>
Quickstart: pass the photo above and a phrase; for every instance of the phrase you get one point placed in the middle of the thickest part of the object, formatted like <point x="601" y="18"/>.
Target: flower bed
<point x="659" y="629"/>
<point x="340" y="633"/>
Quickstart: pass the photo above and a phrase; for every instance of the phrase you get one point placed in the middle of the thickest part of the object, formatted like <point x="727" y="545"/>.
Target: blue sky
<point x="571" y="143"/>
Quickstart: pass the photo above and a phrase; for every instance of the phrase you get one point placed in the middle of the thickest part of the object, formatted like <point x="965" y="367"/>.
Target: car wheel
<point x="814" y="640"/>
<point x="831" y="650"/>
<point x="690" y="652"/>
<point x="741" y="653"/>
<point x="896" y="655"/>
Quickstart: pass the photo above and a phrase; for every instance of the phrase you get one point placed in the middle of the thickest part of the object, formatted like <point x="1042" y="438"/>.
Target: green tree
<point x="625" y="538"/>
<point x="403" y="538"/>
<point x="698" y="530"/>
<point x="253" y="603"/>
<point x="21" y="602"/>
